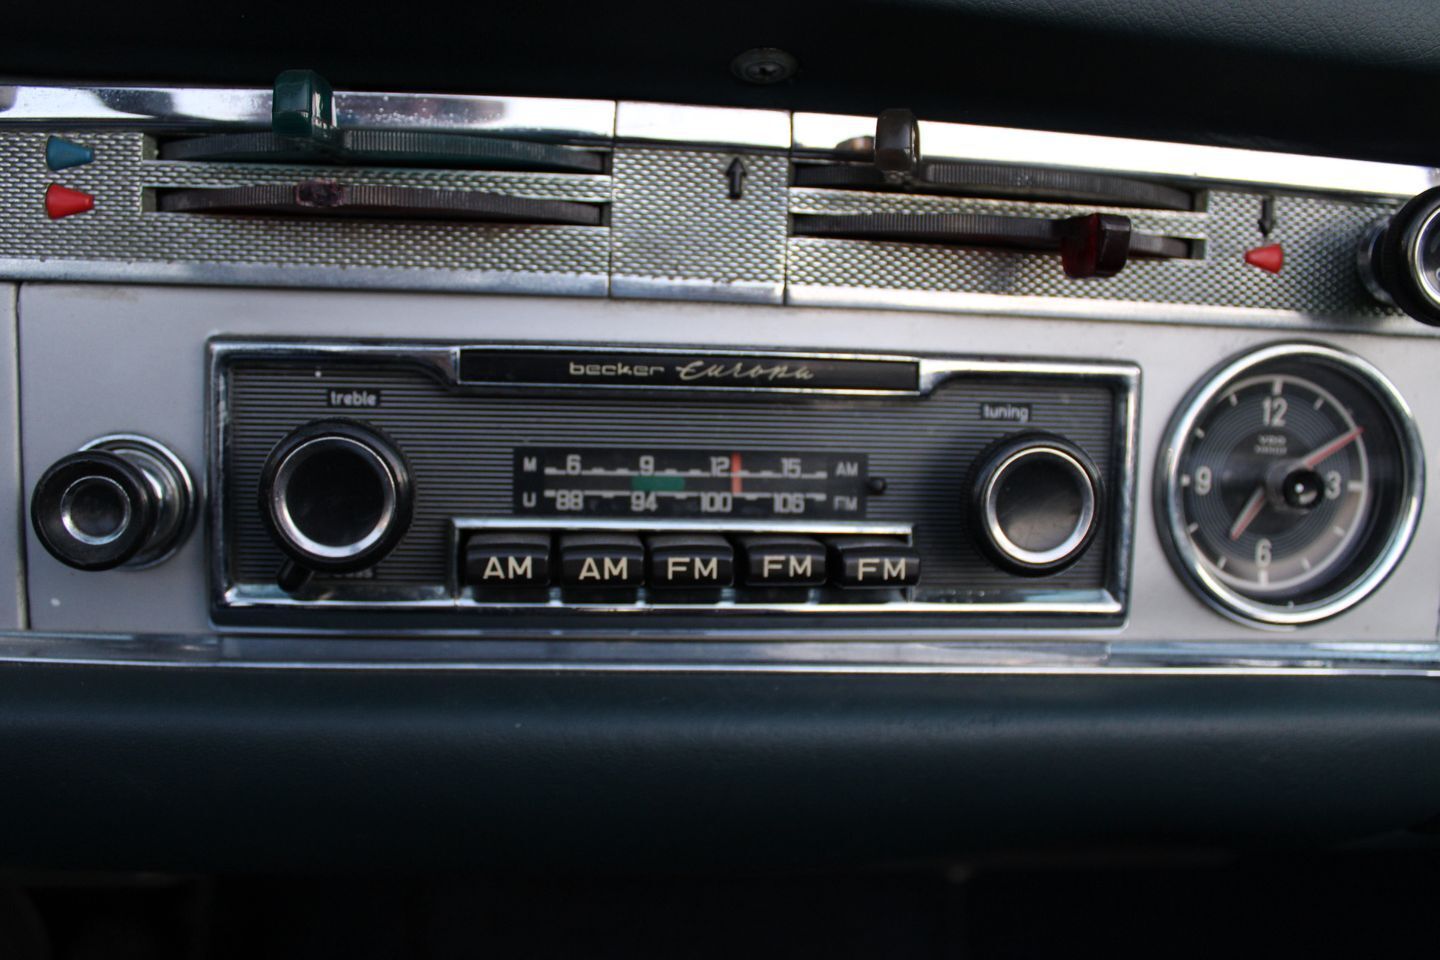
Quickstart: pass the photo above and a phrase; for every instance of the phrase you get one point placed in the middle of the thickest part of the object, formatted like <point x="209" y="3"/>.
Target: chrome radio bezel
<point x="250" y="605"/>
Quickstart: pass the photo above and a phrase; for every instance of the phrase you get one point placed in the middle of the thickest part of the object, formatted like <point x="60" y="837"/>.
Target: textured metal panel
<point x="122" y="231"/>
<point x="677" y="233"/>
<point x="461" y="450"/>
<point x="1320" y="237"/>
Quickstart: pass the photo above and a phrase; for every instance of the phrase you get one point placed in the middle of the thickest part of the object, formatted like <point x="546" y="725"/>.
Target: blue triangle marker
<point x="61" y="154"/>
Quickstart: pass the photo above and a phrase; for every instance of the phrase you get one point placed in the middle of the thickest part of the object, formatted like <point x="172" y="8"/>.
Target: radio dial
<point x="336" y="496"/>
<point x="1035" y="503"/>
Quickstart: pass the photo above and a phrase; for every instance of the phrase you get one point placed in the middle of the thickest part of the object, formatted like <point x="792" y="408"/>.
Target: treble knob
<point x="1400" y="258"/>
<point x="1034" y="503"/>
<point x="337" y="496"/>
<point x="120" y="501"/>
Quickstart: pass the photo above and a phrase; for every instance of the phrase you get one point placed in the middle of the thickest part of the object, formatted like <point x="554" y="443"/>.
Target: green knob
<point x="304" y="107"/>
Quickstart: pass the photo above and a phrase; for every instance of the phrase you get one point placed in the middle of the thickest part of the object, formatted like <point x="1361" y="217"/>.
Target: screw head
<point x="764" y="65"/>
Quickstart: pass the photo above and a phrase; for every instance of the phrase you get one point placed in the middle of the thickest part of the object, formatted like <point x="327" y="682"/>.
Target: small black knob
<point x="1034" y="503"/>
<point x="897" y="142"/>
<point x="120" y="501"/>
<point x="1400" y="258"/>
<point x="337" y="496"/>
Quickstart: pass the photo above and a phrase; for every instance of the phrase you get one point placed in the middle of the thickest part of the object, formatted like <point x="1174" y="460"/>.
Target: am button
<point x="602" y="560"/>
<point x="508" y="559"/>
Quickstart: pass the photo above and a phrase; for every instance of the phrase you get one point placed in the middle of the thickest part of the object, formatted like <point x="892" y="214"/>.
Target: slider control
<point x="1097" y="245"/>
<point x="326" y="198"/>
<point x="899" y="165"/>
<point x="304" y="129"/>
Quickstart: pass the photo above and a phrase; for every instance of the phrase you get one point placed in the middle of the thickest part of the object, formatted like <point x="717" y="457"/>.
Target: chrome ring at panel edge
<point x="1169" y="520"/>
<point x="120" y="443"/>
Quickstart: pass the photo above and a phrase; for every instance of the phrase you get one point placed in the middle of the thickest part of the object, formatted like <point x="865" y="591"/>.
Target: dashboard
<point x="584" y="442"/>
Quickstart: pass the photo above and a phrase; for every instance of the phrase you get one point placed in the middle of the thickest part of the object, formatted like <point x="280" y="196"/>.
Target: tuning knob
<point x="1400" y="258"/>
<point x="337" y="496"/>
<point x="121" y="501"/>
<point x="1035" y="503"/>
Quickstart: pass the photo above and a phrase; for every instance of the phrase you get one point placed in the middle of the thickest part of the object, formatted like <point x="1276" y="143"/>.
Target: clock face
<point x="1287" y="478"/>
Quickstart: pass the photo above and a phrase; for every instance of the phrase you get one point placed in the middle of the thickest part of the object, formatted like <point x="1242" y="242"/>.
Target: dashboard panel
<point x="374" y="432"/>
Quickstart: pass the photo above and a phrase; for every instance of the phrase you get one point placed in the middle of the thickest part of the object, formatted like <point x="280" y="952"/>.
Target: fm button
<point x="873" y="563"/>
<point x="779" y="560"/>
<point x="691" y="560"/>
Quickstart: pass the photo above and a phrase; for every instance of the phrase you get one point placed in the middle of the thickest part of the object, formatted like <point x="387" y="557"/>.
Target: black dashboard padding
<point x="1306" y="75"/>
<point x="241" y="769"/>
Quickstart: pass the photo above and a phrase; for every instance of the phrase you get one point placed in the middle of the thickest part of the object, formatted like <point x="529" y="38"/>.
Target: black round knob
<point x="336" y="495"/>
<point x="1400" y="258"/>
<point x="1034" y="503"/>
<point x="121" y="500"/>
<point x="92" y="511"/>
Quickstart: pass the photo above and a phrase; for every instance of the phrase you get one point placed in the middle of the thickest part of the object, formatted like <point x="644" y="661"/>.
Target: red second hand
<point x="1318" y="456"/>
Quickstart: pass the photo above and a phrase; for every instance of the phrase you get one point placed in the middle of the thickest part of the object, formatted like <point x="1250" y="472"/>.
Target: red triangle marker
<point x="1271" y="258"/>
<point x="64" y="202"/>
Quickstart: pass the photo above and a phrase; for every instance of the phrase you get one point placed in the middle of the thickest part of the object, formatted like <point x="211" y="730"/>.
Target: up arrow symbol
<point x="735" y="174"/>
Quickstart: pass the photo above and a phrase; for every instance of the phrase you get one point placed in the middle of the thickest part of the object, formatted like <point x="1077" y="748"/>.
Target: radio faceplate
<point x="864" y="459"/>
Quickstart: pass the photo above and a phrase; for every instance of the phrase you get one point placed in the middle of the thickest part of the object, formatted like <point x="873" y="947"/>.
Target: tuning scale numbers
<point x="697" y="484"/>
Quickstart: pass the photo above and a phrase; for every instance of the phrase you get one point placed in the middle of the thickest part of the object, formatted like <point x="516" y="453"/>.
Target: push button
<point x="508" y="559"/>
<point x="779" y="560"/>
<point x="873" y="563"/>
<point x="61" y="202"/>
<point x="62" y="154"/>
<point x="602" y="560"/>
<point x="691" y="560"/>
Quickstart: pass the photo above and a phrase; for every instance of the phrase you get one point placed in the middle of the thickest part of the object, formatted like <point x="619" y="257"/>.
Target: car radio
<point x="454" y="480"/>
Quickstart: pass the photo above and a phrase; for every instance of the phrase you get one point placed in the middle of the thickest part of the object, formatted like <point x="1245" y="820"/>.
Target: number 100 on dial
<point x="606" y="482"/>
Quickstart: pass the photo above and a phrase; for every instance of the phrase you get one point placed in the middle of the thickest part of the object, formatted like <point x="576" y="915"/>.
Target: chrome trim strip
<point x="818" y="132"/>
<point x="1169" y="513"/>
<point x="178" y="108"/>
<point x="718" y="126"/>
<point x="860" y="657"/>
<point x="175" y="108"/>
<point x="704" y="291"/>
<point x="260" y="275"/>
<point x="1084" y="308"/>
<point x="644" y="524"/>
